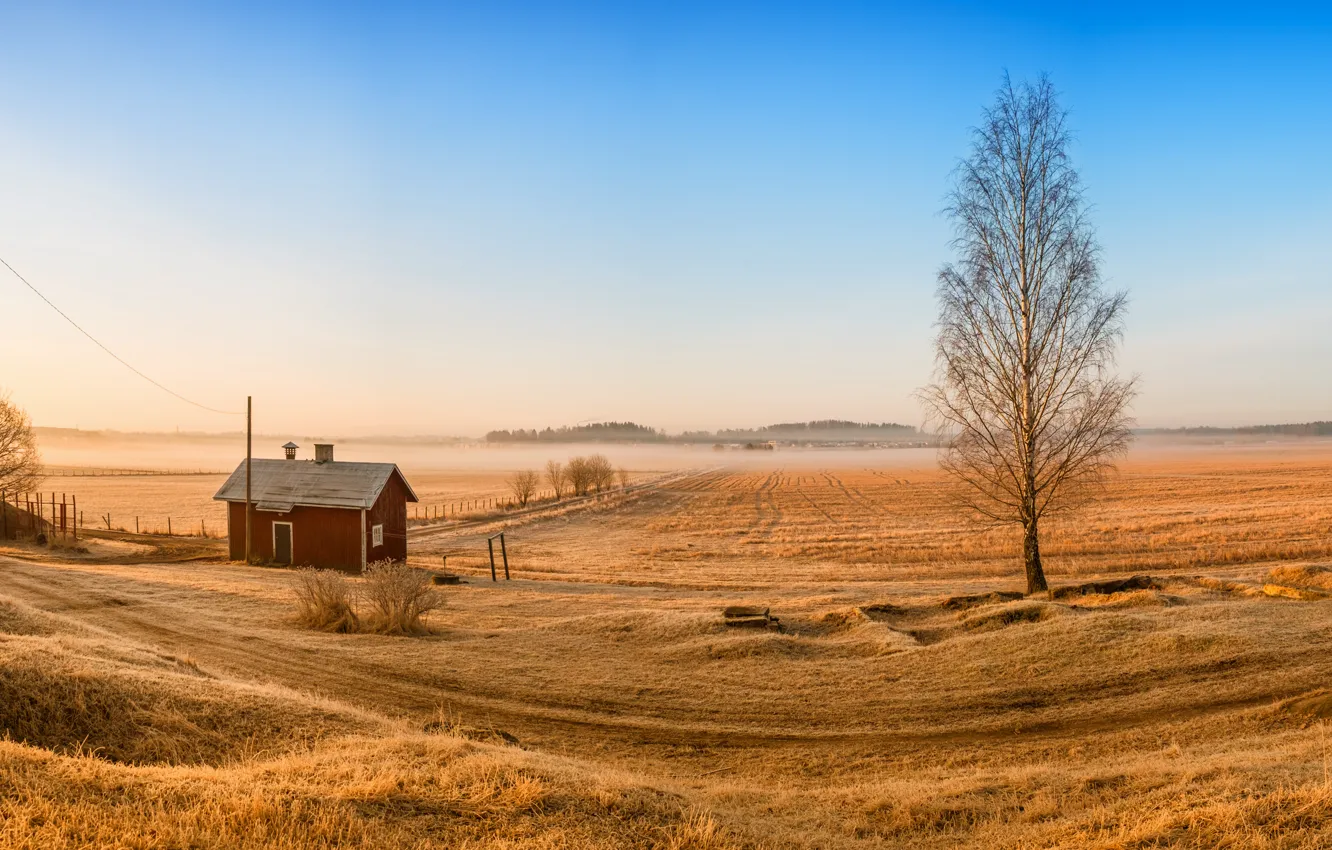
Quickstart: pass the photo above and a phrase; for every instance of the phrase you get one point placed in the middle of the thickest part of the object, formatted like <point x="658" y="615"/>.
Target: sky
<point x="448" y="218"/>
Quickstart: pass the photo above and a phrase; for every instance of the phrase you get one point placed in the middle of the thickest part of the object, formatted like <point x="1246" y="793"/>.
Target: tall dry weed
<point x="397" y="598"/>
<point x="324" y="601"/>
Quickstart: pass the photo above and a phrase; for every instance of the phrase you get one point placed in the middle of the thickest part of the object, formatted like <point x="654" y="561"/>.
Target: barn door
<point x="282" y="542"/>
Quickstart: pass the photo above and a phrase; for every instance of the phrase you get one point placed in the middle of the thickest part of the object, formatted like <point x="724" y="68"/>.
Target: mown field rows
<point x="859" y="524"/>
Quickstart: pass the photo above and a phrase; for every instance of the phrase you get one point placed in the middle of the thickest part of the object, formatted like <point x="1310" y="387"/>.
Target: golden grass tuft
<point x="397" y="599"/>
<point x="324" y="601"/>
<point x="394" y="599"/>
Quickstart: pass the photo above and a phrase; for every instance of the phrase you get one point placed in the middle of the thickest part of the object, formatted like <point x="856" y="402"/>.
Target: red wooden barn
<point x="319" y="513"/>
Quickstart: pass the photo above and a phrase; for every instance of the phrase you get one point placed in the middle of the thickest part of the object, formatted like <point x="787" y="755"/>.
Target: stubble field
<point x="1184" y="712"/>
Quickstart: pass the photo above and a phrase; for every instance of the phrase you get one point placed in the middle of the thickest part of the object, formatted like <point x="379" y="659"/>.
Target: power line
<point x="118" y="358"/>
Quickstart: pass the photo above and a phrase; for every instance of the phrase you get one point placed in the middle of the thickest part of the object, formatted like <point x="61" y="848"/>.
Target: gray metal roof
<point x="280" y="485"/>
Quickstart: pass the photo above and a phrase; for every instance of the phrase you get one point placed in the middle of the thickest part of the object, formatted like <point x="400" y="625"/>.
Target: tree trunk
<point x="1031" y="556"/>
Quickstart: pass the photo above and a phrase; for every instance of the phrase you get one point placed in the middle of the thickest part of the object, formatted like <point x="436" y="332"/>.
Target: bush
<point x="324" y="601"/>
<point x="397" y="597"/>
<point x="587" y="473"/>
<point x="523" y="484"/>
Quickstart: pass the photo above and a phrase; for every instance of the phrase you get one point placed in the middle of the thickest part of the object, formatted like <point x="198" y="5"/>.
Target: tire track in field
<point x="869" y="502"/>
<point x="858" y="509"/>
<point x="857" y="498"/>
<point x="816" y="507"/>
<point x="774" y="515"/>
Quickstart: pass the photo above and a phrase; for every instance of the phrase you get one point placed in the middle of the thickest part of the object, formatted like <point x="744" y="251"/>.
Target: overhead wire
<point x="117" y="357"/>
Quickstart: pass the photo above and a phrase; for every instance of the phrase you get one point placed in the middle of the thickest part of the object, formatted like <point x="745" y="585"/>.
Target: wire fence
<point x="35" y="515"/>
<point x="96" y="472"/>
<point x="490" y="504"/>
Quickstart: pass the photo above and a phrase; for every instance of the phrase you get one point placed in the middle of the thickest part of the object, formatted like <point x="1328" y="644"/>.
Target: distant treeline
<point x="1296" y="429"/>
<point x="617" y="432"/>
<point x="630" y="432"/>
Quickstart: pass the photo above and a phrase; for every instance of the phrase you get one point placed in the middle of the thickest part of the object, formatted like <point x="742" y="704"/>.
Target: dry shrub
<point x="324" y="601"/>
<point x="398" y="597"/>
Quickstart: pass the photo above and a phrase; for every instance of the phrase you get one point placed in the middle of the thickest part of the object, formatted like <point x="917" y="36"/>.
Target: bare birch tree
<point x="523" y="484"/>
<point x="555" y="475"/>
<point x="1025" y="390"/>
<point x="601" y="474"/>
<point x="20" y="462"/>
<point x="578" y="475"/>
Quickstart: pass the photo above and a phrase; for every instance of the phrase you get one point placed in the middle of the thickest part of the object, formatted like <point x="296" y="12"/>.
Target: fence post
<point x="78" y="517"/>
<point x="168" y="526"/>
<point x="490" y="541"/>
<point x="505" y="552"/>
<point x="136" y="525"/>
<point x="4" y="515"/>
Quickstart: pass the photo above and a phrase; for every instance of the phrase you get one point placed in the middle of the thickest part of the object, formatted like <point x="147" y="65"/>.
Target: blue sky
<point x="443" y="220"/>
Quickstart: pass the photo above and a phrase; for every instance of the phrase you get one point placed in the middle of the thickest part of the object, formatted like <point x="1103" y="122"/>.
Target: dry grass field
<point x="600" y="700"/>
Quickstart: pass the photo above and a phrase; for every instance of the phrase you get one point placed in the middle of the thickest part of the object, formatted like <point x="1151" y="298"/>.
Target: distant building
<point x="319" y="513"/>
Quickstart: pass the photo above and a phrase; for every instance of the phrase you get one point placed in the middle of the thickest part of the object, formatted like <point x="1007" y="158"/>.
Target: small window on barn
<point x="377" y="535"/>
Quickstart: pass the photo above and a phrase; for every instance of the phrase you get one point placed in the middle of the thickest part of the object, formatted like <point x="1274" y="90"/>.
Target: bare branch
<point x="20" y="462"/>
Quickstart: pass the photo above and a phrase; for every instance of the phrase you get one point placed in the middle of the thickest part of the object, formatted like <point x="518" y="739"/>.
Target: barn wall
<point x="236" y="530"/>
<point x="391" y="510"/>
<point x="329" y="538"/>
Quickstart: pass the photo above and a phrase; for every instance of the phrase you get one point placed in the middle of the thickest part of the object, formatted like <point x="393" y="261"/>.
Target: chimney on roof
<point x="290" y="450"/>
<point x="323" y="452"/>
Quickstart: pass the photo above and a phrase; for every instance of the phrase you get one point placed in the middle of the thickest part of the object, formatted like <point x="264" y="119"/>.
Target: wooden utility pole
<point x="248" y="448"/>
